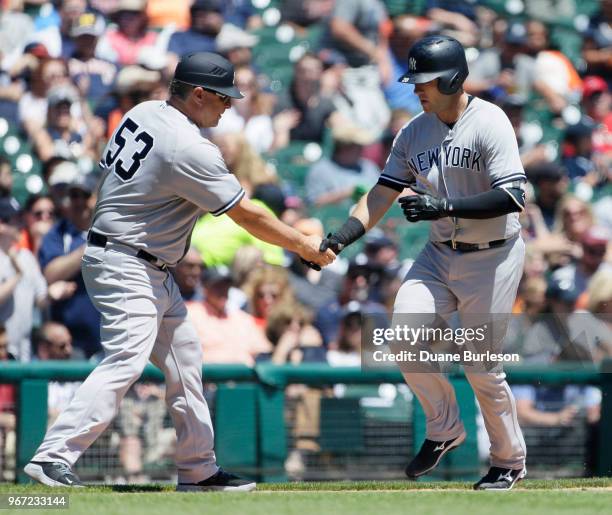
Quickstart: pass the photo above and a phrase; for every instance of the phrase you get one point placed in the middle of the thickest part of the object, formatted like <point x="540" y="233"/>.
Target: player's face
<point x="211" y="107"/>
<point x="431" y="99"/>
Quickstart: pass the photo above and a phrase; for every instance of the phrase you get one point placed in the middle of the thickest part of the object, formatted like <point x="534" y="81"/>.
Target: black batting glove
<point x="310" y="264"/>
<point x="423" y="206"/>
<point x="332" y="242"/>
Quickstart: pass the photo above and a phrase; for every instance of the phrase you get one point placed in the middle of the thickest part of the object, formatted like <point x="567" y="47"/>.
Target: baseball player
<point x="461" y="157"/>
<point x="160" y="174"/>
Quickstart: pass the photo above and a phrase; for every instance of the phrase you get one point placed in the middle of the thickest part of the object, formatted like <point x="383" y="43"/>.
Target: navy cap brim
<point x="419" y="78"/>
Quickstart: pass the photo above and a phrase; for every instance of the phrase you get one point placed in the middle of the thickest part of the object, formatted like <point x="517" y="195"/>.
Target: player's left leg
<point x="178" y="354"/>
<point x="492" y="301"/>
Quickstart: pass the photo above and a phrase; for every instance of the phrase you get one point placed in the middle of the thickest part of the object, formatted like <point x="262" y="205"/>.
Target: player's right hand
<point x="311" y="252"/>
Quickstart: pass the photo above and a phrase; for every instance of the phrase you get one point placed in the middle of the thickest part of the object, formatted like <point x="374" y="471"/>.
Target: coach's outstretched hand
<point x="423" y="206"/>
<point x="313" y="254"/>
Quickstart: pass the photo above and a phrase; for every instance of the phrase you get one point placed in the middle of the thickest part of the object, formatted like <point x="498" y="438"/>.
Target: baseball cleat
<point x="500" y="479"/>
<point x="221" y="482"/>
<point x="430" y="454"/>
<point x="52" y="474"/>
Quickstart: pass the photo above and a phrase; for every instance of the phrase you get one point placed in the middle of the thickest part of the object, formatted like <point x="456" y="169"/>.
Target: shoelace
<point x="65" y="469"/>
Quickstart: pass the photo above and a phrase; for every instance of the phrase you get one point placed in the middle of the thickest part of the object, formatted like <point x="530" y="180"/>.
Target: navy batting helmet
<point x="437" y="57"/>
<point x="208" y="70"/>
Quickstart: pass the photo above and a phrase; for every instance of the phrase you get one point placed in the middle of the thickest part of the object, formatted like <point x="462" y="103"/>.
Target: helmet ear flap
<point x="449" y="83"/>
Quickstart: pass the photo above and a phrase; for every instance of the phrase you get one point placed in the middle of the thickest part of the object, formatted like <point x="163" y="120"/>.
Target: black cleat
<point x="221" y="482"/>
<point x="430" y="455"/>
<point x="53" y="473"/>
<point x="500" y="479"/>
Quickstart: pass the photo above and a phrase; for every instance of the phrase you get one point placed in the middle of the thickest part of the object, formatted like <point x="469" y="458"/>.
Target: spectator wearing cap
<point x="551" y="183"/>
<point x="206" y="23"/>
<point x="360" y="284"/>
<point x="133" y="84"/>
<point x="93" y="76"/>
<point x="59" y="136"/>
<point x="597" y="104"/>
<point x="45" y="75"/>
<point x="60" y="259"/>
<point x="226" y="336"/>
<point x="594" y="246"/>
<point x="579" y="158"/>
<point x="122" y="45"/>
<point x="306" y="111"/>
<point x="334" y="179"/>
<point x="235" y="45"/>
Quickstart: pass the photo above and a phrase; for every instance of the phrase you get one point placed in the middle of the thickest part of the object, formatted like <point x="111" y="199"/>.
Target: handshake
<point x="329" y="247"/>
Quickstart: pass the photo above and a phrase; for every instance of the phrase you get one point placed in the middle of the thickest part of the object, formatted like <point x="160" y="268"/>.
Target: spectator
<point x="39" y="216"/>
<point x="123" y="44"/>
<point x="293" y="337"/>
<point x="532" y="152"/>
<point x="142" y="411"/>
<point x="360" y="285"/>
<point x="599" y="294"/>
<point x="243" y="161"/>
<point x="206" y="23"/>
<point x="457" y="17"/>
<point x="551" y="182"/>
<point x="7" y="415"/>
<point x="46" y="74"/>
<point x="333" y="180"/>
<point x="242" y="14"/>
<point x="94" y="77"/>
<point x="574" y="218"/>
<point x="406" y="30"/>
<point x="188" y="273"/>
<point x="597" y="42"/>
<point x="250" y="114"/>
<point x="579" y="159"/>
<point x="60" y="259"/>
<point x="313" y="288"/>
<point x="54" y="342"/>
<point x="162" y="13"/>
<point x="6" y="181"/>
<point x="555" y="77"/>
<point x="16" y="29"/>
<point x="305" y="110"/>
<point x="229" y="236"/>
<point x="594" y="244"/>
<point x="305" y="13"/>
<point x="345" y="350"/>
<point x="357" y="30"/>
<point x="134" y="84"/>
<point x="60" y="137"/>
<point x="56" y="35"/>
<point x="246" y="259"/>
<point x="265" y="288"/>
<point x="226" y="336"/>
<point x="235" y="45"/>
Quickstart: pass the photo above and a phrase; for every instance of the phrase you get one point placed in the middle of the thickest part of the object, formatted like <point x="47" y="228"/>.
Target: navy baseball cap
<point x="207" y="70"/>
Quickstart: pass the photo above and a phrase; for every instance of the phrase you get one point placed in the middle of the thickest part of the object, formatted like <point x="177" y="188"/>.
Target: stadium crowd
<point x="322" y="106"/>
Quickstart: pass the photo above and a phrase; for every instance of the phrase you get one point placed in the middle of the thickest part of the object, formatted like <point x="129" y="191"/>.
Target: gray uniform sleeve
<point x="500" y="151"/>
<point x="396" y="174"/>
<point x="200" y="175"/>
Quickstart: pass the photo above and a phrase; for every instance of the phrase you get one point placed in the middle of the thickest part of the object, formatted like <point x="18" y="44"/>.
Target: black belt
<point x="472" y="247"/>
<point x="99" y="240"/>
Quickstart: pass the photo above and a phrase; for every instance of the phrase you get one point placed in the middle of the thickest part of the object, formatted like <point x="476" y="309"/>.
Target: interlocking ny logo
<point x="412" y="64"/>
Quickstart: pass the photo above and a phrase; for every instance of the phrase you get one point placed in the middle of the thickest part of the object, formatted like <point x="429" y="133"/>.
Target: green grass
<point x="573" y="496"/>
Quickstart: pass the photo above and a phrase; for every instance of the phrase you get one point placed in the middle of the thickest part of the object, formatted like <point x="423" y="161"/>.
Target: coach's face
<point x="208" y="107"/>
<point x="431" y="99"/>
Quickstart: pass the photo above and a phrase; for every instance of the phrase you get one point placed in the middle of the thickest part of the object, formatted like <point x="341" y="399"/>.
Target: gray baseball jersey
<point x="478" y="153"/>
<point x="161" y="174"/>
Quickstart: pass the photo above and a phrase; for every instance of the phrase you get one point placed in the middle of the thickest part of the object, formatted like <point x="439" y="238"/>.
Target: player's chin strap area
<point x="100" y="240"/>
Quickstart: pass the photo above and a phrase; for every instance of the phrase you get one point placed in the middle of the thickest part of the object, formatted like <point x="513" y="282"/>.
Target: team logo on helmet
<point x="412" y="64"/>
